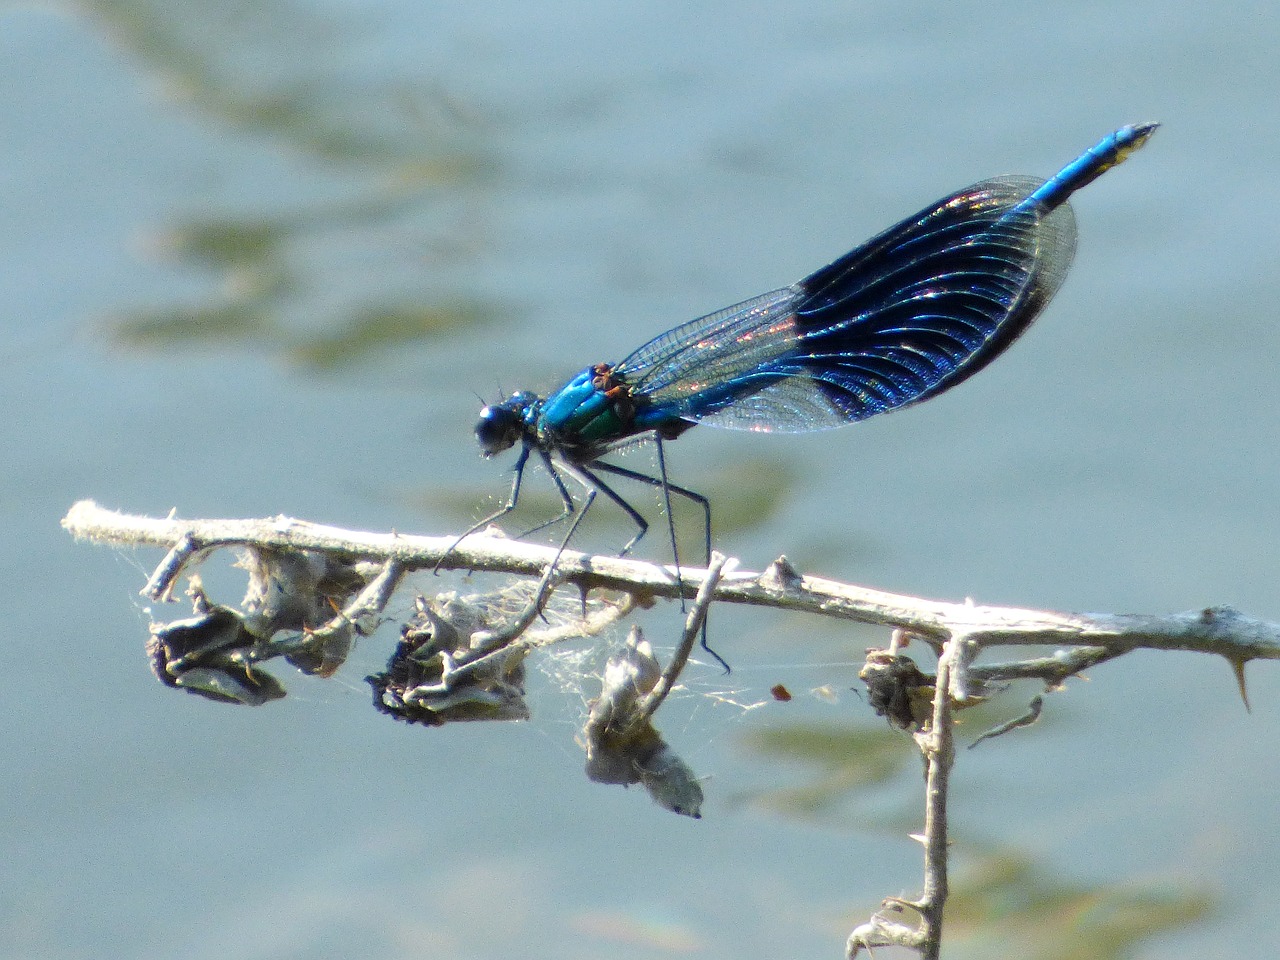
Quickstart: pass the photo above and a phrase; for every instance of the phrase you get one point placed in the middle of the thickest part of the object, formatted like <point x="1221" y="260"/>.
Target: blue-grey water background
<point x="261" y="258"/>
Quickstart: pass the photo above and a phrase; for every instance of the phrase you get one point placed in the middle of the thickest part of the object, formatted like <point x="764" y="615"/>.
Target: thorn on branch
<point x="781" y="575"/>
<point x="1237" y="667"/>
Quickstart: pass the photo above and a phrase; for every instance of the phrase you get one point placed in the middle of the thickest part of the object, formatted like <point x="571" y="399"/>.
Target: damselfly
<point x="902" y="318"/>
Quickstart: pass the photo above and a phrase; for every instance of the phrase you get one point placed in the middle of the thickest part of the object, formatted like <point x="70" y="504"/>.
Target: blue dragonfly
<point x="902" y="318"/>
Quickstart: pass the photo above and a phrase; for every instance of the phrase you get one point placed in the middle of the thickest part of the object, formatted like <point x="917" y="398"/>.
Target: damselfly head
<point x="501" y="425"/>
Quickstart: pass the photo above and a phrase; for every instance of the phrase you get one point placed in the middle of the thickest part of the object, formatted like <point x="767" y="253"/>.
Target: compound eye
<point x="498" y="429"/>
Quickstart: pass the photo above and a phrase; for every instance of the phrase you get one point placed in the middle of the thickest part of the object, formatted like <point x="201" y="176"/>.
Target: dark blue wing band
<point x="907" y="315"/>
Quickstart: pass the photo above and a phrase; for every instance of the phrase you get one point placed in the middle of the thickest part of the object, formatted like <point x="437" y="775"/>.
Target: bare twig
<point x="1025" y="720"/>
<point x="319" y="586"/>
<point x="693" y="625"/>
<point x="1218" y="630"/>
<point x="936" y="740"/>
<point x="937" y="744"/>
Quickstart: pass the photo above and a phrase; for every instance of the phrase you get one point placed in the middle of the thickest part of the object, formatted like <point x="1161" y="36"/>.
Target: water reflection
<point x="329" y="280"/>
<point x="1000" y="897"/>
<point x="848" y="760"/>
<point x="386" y="175"/>
<point x="293" y="72"/>
<point x="381" y="162"/>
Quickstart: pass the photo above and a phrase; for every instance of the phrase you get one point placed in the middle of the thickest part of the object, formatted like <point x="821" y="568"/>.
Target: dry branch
<point x="1217" y="629"/>
<point x="314" y="588"/>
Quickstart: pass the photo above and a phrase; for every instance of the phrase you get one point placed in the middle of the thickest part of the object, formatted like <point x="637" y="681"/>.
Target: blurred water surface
<point x="261" y="258"/>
